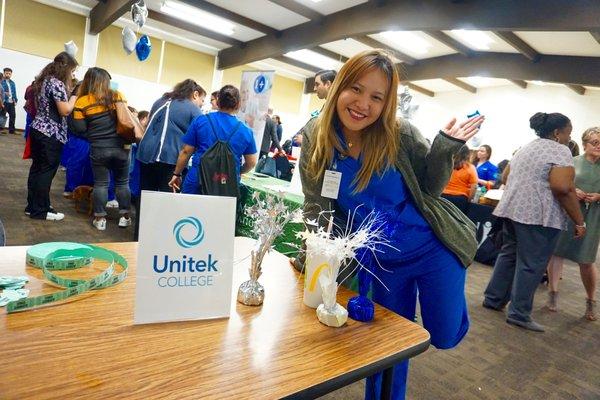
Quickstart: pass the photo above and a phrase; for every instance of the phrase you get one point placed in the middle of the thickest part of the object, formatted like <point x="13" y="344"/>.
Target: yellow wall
<point x="287" y="95"/>
<point x="315" y="103"/>
<point x="180" y="63"/>
<point x="233" y="76"/>
<point x="38" y="29"/>
<point x="113" y="58"/>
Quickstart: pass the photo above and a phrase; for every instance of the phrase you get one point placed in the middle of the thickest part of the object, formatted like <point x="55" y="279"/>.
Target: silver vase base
<point x="251" y="293"/>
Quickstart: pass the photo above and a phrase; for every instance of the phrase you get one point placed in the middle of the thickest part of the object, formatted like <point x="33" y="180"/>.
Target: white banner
<point x="185" y="257"/>
<point x="255" y="92"/>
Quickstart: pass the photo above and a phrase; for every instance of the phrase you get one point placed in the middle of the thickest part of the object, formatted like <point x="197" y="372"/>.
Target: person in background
<point x="134" y="170"/>
<point x="49" y="133"/>
<point x="170" y="117"/>
<point x="9" y="98"/>
<point x="95" y="119"/>
<point x="214" y="101"/>
<point x="540" y="190"/>
<point x="201" y="136"/>
<point x="29" y="108"/>
<point x="502" y="165"/>
<point x="486" y="171"/>
<point x="463" y="181"/>
<point x="279" y="127"/>
<point x="269" y="138"/>
<point x="584" y="251"/>
<point x="574" y="147"/>
<point x="387" y="167"/>
<point x="323" y="81"/>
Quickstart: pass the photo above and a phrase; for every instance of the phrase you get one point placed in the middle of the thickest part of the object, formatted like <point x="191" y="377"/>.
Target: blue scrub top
<point x="200" y="135"/>
<point x="405" y="227"/>
<point x="487" y="171"/>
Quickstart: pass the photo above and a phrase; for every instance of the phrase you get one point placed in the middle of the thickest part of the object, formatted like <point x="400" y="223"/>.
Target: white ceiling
<point x="433" y="48"/>
<point x="277" y="17"/>
<point x="562" y="43"/>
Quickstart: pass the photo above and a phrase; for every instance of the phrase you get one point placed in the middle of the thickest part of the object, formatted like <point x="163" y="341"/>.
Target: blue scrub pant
<point x="439" y="278"/>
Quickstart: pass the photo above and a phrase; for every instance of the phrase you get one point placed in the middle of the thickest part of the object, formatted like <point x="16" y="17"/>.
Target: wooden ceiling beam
<point x="423" y="15"/>
<point x="296" y="63"/>
<point x="177" y="23"/>
<point x="369" y="41"/>
<point x="461" y="84"/>
<point x="573" y="70"/>
<point x="520" y="45"/>
<point x="450" y="42"/>
<point x="328" y="53"/>
<point x="232" y="16"/>
<point x="577" y="89"/>
<point x="419" y="89"/>
<point x="520" y="83"/>
<point x="105" y="13"/>
<point x="300" y="9"/>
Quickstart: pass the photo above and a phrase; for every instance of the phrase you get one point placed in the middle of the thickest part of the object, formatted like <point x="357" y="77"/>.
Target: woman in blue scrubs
<point x="385" y="165"/>
<point x="486" y="171"/>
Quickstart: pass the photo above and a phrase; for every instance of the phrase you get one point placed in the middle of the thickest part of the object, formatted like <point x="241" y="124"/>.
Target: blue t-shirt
<point x="487" y="171"/>
<point x="386" y="194"/>
<point x="201" y="136"/>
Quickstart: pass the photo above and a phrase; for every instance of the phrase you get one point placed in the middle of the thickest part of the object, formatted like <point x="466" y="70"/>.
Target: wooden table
<point x="89" y="348"/>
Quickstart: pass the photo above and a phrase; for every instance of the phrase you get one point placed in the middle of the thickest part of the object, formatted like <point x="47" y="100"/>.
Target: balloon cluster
<point x="142" y="47"/>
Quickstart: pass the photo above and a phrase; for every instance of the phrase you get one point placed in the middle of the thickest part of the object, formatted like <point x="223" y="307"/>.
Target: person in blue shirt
<point x="486" y="171"/>
<point x="9" y="98"/>
<point x="170" y="117"/>
<point x="385" y="166"/>
<point x="200" y="137"/>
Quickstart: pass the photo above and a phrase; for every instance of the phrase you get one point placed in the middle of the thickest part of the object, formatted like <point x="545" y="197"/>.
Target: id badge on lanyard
<point x="331" y="182"/>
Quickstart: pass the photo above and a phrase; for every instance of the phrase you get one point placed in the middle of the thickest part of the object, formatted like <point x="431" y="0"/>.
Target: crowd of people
<point x="550" y="207"/>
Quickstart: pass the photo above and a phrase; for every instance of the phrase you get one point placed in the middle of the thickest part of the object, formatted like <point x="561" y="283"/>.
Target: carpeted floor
<point x="495" y="361"/>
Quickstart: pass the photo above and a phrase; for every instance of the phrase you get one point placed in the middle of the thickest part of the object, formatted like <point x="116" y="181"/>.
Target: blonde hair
<point x="587" y="135"/>
<point x="380" y="140"/>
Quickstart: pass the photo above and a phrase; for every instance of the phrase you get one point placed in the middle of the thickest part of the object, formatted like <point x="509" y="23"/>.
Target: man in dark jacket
<point x="269" y="136"/>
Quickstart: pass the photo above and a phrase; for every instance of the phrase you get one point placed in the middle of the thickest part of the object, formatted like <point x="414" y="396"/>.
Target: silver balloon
<point x="406" y="109"/>
<point x="139" y="13"/>
<point x="71" y="48"/>
<point x="129" y="40"/>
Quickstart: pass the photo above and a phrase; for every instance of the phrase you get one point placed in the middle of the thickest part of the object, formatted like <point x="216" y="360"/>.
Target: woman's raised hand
<point x="465" y="130"/>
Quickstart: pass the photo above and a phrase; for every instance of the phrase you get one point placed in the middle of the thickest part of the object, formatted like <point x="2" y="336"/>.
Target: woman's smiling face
<point x="361" y="104"/>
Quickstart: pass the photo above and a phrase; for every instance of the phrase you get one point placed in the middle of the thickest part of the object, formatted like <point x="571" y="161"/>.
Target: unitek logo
<point x="194" y="223"/>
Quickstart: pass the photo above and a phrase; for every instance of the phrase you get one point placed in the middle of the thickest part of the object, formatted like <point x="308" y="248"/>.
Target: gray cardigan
<point x="426" y="171"/>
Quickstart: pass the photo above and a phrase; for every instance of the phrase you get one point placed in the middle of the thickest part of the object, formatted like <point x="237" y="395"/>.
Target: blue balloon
<point x="143" y="48"/>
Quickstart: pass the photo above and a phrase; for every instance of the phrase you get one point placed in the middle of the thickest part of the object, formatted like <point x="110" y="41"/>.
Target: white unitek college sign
<point x="185" y="257"/>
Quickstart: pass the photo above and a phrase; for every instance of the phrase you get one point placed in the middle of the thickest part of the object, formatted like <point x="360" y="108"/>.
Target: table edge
<point x="365" y="371"/>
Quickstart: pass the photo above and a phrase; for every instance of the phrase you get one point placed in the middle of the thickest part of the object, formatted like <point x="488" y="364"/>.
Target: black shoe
<point x="490" y="307"/>
<point x="529" y="325"/>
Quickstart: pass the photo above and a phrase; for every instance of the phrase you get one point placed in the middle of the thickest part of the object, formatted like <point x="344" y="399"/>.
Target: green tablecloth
<point x="265" y="184"/>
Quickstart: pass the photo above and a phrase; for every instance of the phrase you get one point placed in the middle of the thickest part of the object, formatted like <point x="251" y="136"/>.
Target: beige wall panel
<point x="113" y="58"/>
<point x="233" y="76"/>
<point x="41" y="30"/>
<point x="180" y="63"/>
<point x="315" y="103"/>
<point x="287" y="95"/>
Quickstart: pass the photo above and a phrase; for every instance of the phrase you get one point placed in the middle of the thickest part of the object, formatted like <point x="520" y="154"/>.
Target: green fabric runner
<point x="265" y="184"/>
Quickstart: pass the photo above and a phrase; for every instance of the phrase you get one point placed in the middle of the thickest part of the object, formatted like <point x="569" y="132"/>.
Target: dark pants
<point x="526" y="250"/>
<point x="10" y="109"/>
<point x="45" y="153"/>
<point x="461" y="202"/>
<point x="155" y="177"/>
<point x="105" y="160"/>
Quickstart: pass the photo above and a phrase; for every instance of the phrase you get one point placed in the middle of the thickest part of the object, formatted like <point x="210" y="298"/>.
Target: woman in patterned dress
<point x="539" y="195"/>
